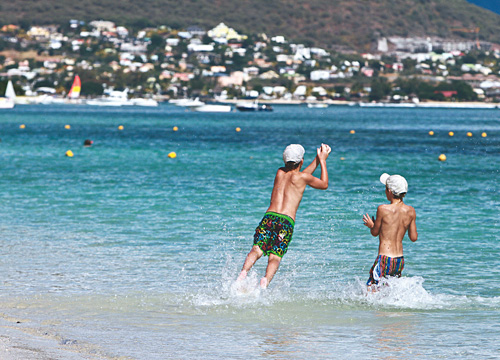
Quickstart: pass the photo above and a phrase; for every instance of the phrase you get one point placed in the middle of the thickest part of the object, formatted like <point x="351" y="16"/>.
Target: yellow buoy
<point x="484" y="134"/>
<point x="442" y="157"/>
<point x="352" y="132"/>
<point x="172" y="155"/>
<point x="69" y="153"/>
<point x="67" y="127"/>
<point x="469" y="134"/>
<point x="342" y="158"/>
<point x="431" y="133"/>
<point x="451" y="133"/>
<point x="120" y="127"/>
<point x="238" y="129"/>
<point x="22" y="126"/>
<point x="175" y="128"/>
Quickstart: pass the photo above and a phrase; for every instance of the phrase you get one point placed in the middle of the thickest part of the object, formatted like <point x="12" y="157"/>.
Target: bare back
<point x="395" y="220"/>
<point x="289" y="184"/>
<point x="287" y="193"/>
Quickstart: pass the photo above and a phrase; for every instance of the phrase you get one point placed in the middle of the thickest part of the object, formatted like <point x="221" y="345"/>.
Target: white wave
<point x="393" y="293"/>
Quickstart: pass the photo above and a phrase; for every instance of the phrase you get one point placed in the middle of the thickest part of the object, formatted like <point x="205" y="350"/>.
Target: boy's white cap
<point x="293" y="152"/>
<point x="395" y="183"/>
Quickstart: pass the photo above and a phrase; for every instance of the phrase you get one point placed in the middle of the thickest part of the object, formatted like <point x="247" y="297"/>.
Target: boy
<point x="391" y="224"/>
<point x="274" y="233"/>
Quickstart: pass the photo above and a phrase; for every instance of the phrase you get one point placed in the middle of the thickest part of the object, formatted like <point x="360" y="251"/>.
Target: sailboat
<point x="74" y="92"/>
<point x="9" y="101"/>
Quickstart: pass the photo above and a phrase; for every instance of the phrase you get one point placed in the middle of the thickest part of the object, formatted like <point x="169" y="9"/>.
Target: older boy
<point x="274" y="233"/>
<point x="391" y="224"/>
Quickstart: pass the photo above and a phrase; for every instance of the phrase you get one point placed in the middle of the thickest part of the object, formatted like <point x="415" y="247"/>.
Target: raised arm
<point x="312" y="166"/>
<point x="322" y="182"/>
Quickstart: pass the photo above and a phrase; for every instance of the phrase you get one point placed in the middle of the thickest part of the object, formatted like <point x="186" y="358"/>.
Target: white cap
<point x="395" y="183"/>
<point x="293" y="152"/>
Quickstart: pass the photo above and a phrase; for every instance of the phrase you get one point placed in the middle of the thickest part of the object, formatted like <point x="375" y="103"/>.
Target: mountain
<point x="493" y="5"/>
<point x="355" y="23"/>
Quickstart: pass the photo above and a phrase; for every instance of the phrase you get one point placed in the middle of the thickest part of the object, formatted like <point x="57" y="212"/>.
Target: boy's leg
<point x="254" y="255"/>
<point x="272" y="266"/>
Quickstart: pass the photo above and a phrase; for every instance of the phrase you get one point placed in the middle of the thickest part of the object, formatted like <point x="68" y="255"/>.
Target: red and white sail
<point x="74" y="93"/>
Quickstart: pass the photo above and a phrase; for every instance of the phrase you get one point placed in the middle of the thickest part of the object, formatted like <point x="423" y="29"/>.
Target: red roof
<point x="446" y="93"/>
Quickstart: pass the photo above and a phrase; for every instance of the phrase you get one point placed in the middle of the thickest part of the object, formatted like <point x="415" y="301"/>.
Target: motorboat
<point x="317" y="105"/>
<point x="247" y="106"/>
<point x="115" y="98"/>
<point x="212" y="108"/>
<point x="188" y="102"/>
<point x="252" y="106"/>
<point x="143" y="102"/>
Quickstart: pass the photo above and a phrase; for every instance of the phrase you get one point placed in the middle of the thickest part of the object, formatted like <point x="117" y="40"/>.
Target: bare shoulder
<point x="411" y="211"/>
<point x="303" y="175"/>
<point x="383" y="208"/>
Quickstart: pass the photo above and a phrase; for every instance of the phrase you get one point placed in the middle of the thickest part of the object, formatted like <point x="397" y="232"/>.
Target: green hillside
<point x="323" y="22"/>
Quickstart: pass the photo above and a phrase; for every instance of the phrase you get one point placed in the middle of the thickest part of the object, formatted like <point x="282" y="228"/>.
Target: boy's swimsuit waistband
<point x="281" y="216"/>
<point x="274" y="233"/>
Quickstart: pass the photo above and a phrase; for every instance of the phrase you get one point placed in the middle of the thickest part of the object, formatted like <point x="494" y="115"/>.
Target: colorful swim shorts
<point x="274" y="233"/>
<point x="385" y="266"/>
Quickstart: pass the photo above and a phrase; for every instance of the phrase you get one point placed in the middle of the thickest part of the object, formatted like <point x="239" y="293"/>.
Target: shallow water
<point x="121" y="251"/>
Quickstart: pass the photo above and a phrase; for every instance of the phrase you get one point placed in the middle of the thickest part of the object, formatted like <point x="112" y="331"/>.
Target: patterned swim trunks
<point x="385" y="266"/>
<point x="274" y="233"/>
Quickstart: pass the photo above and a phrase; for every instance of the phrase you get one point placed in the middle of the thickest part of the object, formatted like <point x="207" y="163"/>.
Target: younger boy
<point x="391" y="224"/>
<point x="274" y="233"/>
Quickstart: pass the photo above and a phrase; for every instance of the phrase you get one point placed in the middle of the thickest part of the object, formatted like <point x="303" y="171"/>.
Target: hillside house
<point x="318" y="75"/>
<point x="223" y="33"/>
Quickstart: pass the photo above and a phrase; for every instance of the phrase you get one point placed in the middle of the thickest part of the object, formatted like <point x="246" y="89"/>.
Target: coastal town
<point x="222" y="65"/>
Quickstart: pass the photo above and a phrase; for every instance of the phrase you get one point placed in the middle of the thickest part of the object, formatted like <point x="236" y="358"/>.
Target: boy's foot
<point x="263" y="283"/>
<point x="242" y="276"/>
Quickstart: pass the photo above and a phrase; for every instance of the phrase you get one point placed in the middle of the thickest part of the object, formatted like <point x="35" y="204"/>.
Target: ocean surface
<point x="121" y="252"/>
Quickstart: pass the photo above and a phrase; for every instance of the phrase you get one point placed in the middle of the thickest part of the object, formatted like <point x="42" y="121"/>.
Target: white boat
<point x="212" y="108"/>
<point x="105" y="101"/>
<point x="177" y="101"/>
<point x="317" y="105"/>
<point x="189" y="102"/>
<point x="247" y="106"/>
<point x="115" y="98"/>
<point x="370" y="104"/>
<point x="6" y="103"/>
<point x="252" y="106"/>
<point x="9" y="101"/>
<point x="143" y="102"/>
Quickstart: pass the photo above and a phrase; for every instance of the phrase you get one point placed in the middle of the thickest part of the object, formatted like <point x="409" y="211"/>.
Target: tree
<point x="92" y="88"/>
<point x="464" y="91"/>
<point x="156" y="42"/>
<point x="380" y="89"/>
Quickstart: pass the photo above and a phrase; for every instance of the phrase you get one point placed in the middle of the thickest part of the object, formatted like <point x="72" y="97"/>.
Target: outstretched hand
<point x="370" y="223"/>
<point x="324" y="151"/>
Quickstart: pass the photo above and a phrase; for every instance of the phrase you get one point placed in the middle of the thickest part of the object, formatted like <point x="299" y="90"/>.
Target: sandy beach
<point x="22" y="339"/>
<point x="16" y="344"/>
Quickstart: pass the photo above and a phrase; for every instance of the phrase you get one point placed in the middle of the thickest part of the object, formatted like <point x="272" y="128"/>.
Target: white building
<point x="318" y="75"/>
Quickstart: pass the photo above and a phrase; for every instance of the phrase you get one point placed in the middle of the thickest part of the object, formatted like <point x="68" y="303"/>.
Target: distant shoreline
<point x="426" y="104"/>
<point x="22" y="100"/>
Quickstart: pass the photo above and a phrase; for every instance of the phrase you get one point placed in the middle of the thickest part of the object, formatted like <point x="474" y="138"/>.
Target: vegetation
<point x="325" y="23"/>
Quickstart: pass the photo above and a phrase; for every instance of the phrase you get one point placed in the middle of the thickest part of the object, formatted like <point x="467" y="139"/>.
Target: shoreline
<point x="426" y="104"/>
<point x="21" y="341"/>
<point x="22" y="100"/>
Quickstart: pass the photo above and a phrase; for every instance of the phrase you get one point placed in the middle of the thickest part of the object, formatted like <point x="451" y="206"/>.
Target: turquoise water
<point x="121" y="251"/>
